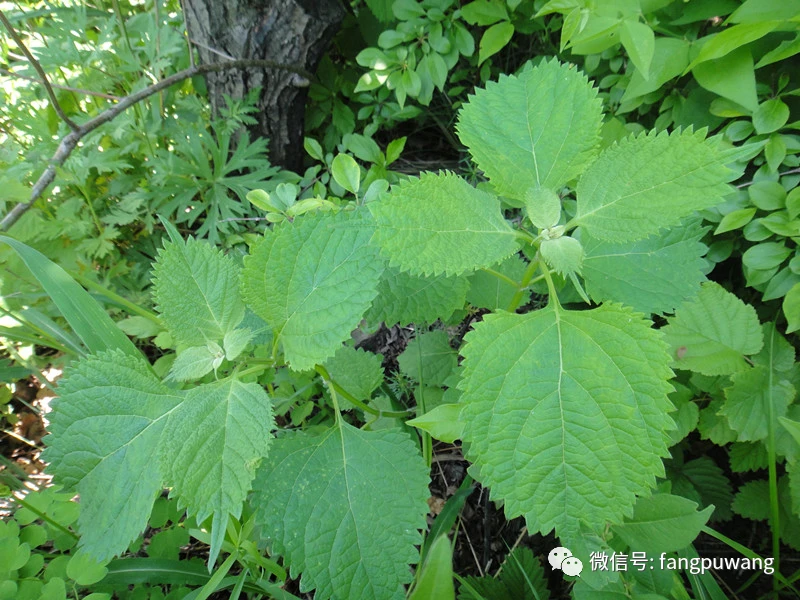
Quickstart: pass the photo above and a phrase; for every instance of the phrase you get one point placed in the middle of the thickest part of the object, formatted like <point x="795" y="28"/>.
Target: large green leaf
<point x="653" y="275"/>
<point x="538" y="129"/>
<point x="584" y="407"/>
<point x="196" y="288"/>
<point x="216" y="437"/>
<point x="650" y="182"/>
<point x="86" y="317"/>
<point x="404" y="298"/>
<point x="311" y="281"/>
<point x="712" y="332"/>
<point x="441" y="224"/>
<point x="345" y="508"/>
<point x="106" y="430"/>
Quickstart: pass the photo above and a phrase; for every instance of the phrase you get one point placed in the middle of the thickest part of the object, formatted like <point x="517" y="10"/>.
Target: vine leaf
<point x="713" y="332"/>
<point x="106" y="429"/>
<point x="196" y="288"/>
<point x="404" y="298"/>
<point x="653" y="275"/>
<point x="584" y="407"/>
<point x="538" y="129"/>
<point x="349" y="516"/>
<point x="441" y="224"/>
<point x="649" y="182"/>
<point x="311" y="281"/>
<point x="217" y="435"/>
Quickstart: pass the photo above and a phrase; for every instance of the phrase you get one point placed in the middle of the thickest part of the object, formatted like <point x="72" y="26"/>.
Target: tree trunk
<point x="289" y="32"/>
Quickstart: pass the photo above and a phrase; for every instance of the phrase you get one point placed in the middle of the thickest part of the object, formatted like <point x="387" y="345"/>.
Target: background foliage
<point x="385" y="105"/>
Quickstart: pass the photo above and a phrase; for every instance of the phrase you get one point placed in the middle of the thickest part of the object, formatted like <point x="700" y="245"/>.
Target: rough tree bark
<point x="291" y="32"/>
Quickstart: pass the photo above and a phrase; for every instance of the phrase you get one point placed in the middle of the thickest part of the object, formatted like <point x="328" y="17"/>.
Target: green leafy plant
<point x="565" y="412"/>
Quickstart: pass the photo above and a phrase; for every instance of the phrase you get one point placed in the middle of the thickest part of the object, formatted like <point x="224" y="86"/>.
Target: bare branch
<point x="35" y="64"/>
<point x="70" y="141"/>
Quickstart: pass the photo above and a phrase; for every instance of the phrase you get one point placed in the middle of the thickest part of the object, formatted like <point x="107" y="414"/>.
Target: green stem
<point x="551" y="287"/>
<point x="116" y="298"/>
<point x="425" y="437"/>
<point x="773" y="474"/>
<point x="323" y="372"/>
<point x="516" y="300"/>
<point x="25" y="504"/>
<point x="500" y="276"/>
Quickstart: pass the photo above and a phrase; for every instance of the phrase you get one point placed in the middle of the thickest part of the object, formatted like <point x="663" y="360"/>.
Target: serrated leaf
<point x="404" y="298"/>
<point x="653" y="275"/>
<point x="196" y="288"/>
<point x="350" y="516"/>
<point x="712" y="426"/>
<point x="357" y="371"/>
<point x="538" y="129"/>
<point x="440" y="224"/>
<point x="564" y="254"/>
<point x="752" y="500"/>
<point x="521" y="578"/>
<point x="193" y="363"/>
<point x="746" y="456"/>
<point x="217" y="436"/>
<point x="428" y="358"/>
<point x="649" y="182"/>
<point x="754" y="398"/>
<point x="686" y="415"/>
<point x="106" y="428"/>
<point x="486" y="290"/>
<point x="662" y="523"/>
<point x="713" y="332"/>
<point x="585" y="400"/>
<point x="311" y="281"/>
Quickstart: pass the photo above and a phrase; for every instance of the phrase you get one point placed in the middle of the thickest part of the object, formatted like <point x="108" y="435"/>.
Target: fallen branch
<point x="70" y="141"/>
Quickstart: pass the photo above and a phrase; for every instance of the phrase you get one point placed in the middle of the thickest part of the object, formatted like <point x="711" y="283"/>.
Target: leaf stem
<point x="500" y="276"/>
<point x="772" y="466"/>
<point x="25" y="504"/>
<point x="516" y="300"/>
<point x="114" y="297"/>
<point x="323" y="372"/>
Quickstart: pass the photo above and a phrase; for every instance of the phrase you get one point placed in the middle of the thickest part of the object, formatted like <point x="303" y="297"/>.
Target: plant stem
<point x="25" y="504"/>
<point x="323" y="372"/>
<point x="114" y="297"/>
<point x="516" y="300"/>
<point x="500" y="276"/>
